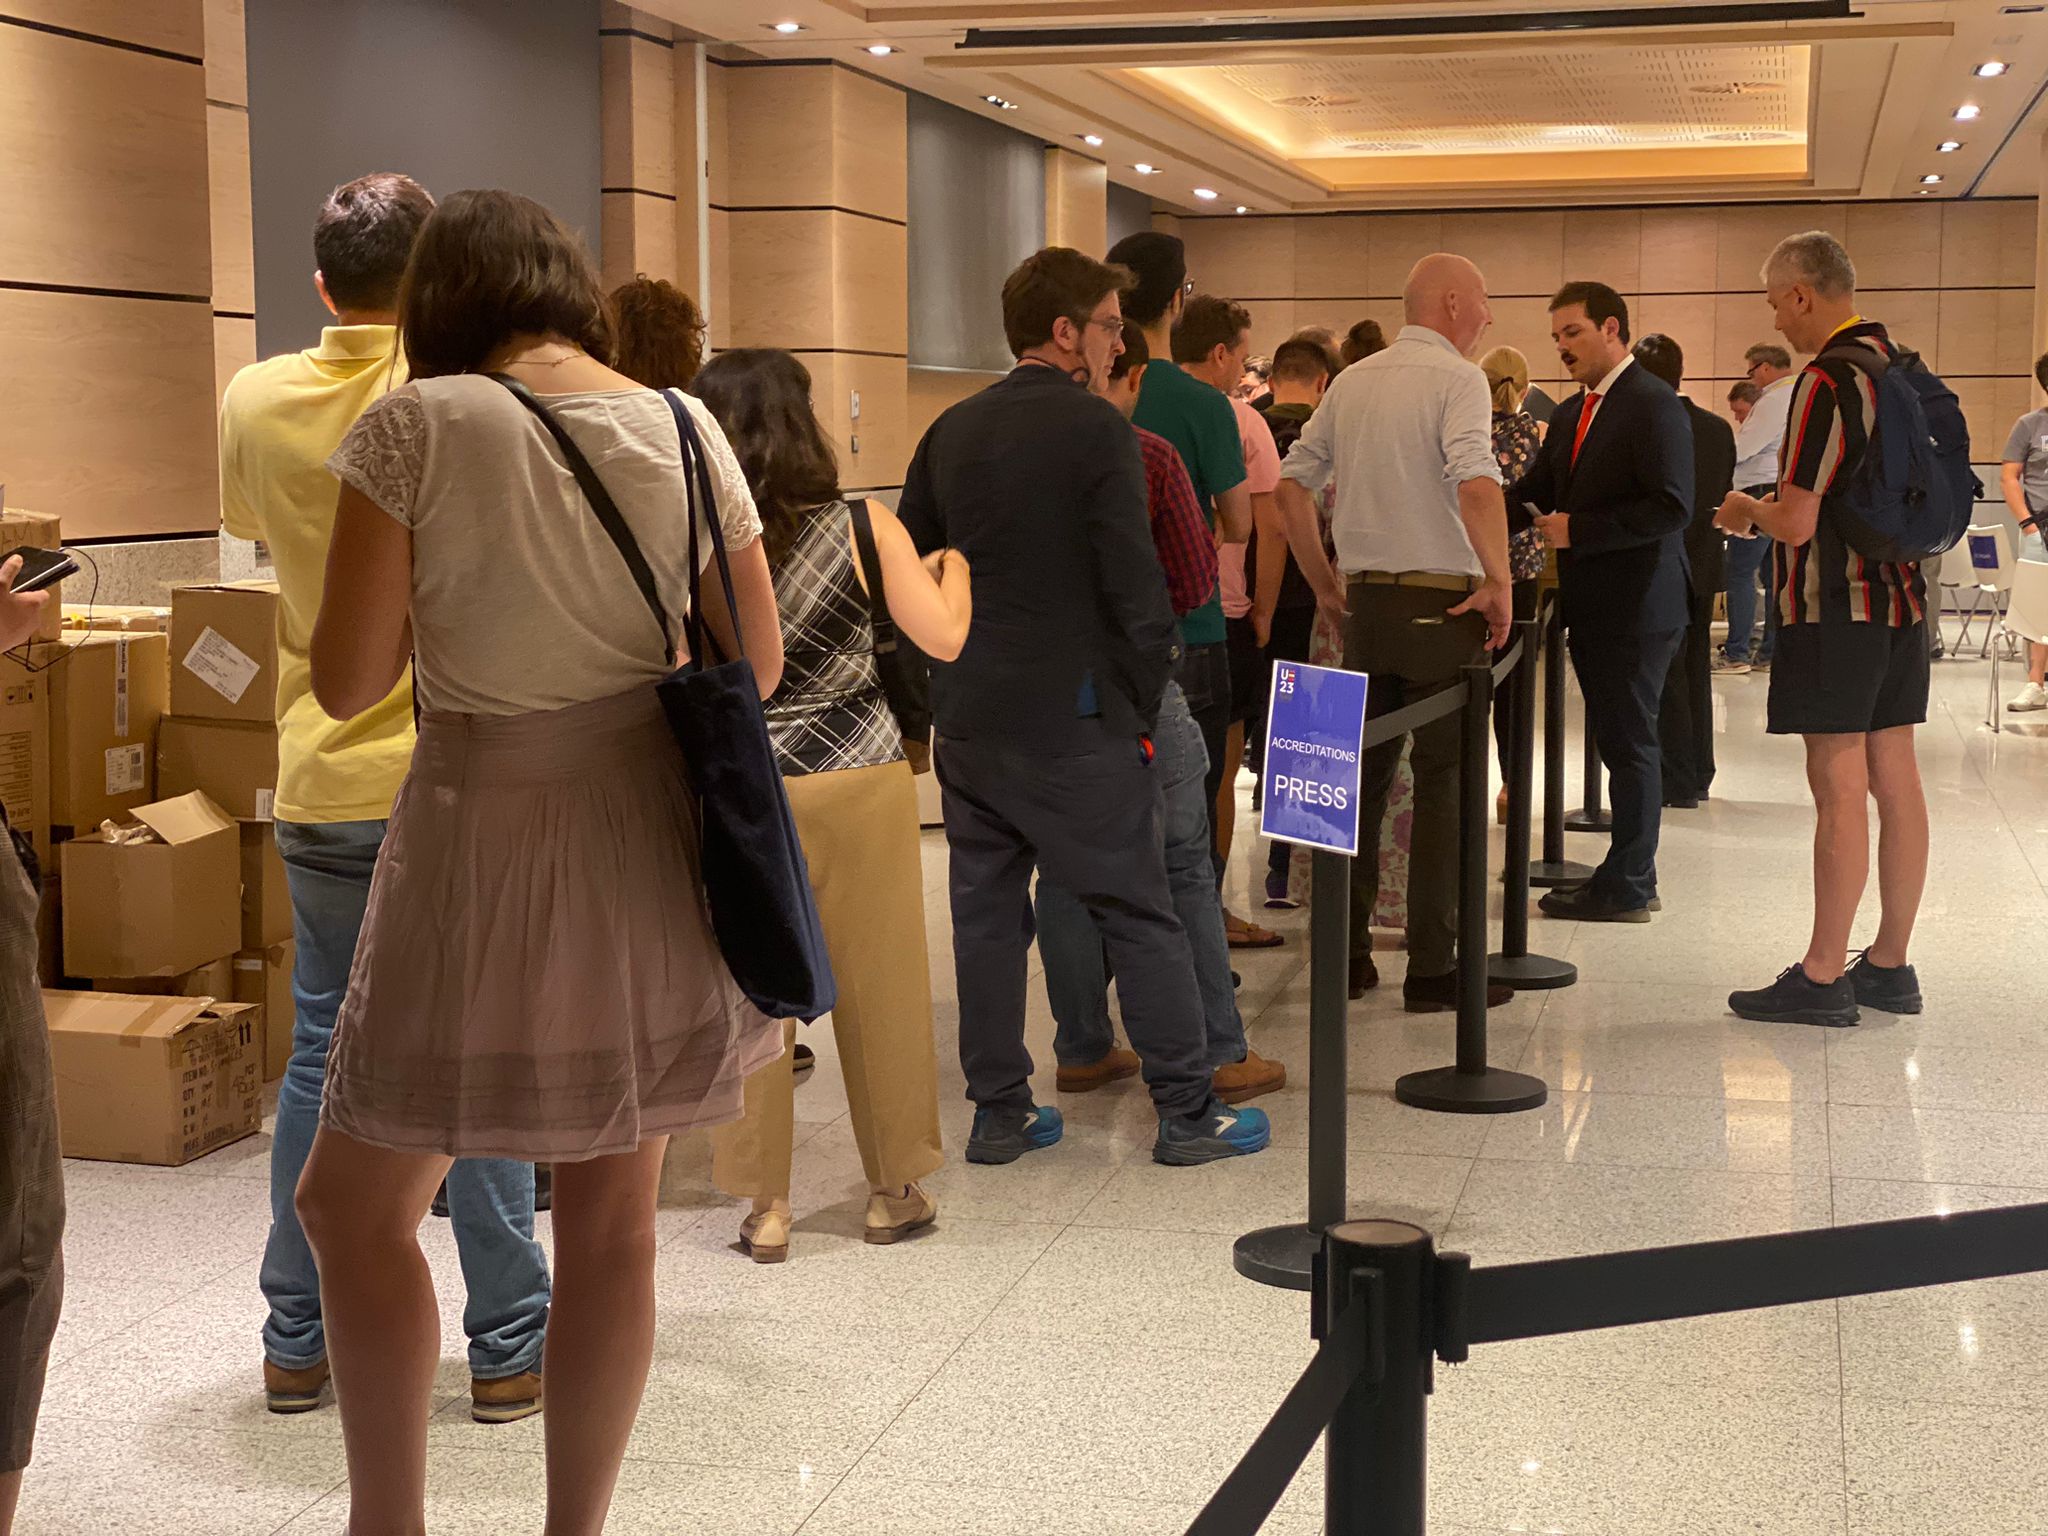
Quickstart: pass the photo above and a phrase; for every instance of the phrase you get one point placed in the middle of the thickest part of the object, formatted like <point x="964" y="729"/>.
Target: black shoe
<point x="440" y="1205"/>
<point x="1795" y="998"/>
<point x="1584" y="904"/>
<point x="1887" y="988"/>
<point x="543" y="1186"/>
<point x="803" y="1059"/>
<point x="1003" y="1133"/>
<point x="1439" y="994"/>
<point x="1364" y="977"/>
<point x="1681" y="802"/>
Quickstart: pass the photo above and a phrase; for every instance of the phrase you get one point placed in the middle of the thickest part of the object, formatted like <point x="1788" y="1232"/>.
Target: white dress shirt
<point x="1399" y="433"/>
<point x="1759" y="439"/>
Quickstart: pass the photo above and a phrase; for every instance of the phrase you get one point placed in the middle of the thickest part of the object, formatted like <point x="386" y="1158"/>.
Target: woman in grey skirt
<point x="31" y="1171"/>
<point x="537" y="976"/>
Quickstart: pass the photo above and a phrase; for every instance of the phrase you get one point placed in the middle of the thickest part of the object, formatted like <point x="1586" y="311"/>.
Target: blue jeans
<point x="1745" y="558"/>
<point x="328" y="869"/>
<point x="1076" y="970"/>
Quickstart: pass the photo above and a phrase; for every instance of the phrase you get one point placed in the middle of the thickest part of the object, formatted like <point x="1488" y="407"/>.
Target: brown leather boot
<point x="506" y="1400"/>
<point x="1247" y="1079"/>
<point x="1113" y="1068"/>
<point x="892" y="1217"/>
<point x="289" y="1391"/>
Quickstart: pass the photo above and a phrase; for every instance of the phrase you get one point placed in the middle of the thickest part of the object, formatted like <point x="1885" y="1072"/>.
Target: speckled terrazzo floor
<point x="1008" y="1370"/>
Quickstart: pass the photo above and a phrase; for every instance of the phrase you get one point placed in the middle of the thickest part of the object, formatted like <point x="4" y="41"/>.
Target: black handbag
<point x="756" y="880"/>
<point x="905" y="673"/>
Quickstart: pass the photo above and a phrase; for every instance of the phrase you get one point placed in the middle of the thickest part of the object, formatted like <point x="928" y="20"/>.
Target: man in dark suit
<point x="1612" y="493"/>
<point x="1685" y="722"/>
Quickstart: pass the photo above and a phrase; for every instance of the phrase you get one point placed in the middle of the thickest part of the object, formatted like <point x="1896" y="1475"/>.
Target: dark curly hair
<point x="761" y="397"/>
<point x="660" y="333"/>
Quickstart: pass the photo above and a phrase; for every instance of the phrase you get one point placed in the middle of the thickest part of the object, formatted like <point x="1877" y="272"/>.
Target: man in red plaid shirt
<point x="1076" y="975"/>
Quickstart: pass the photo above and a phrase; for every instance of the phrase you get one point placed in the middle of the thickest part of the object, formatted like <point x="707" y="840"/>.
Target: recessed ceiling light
<point x="1930" y="180"/>
<point x="1242" y="209"/>
<point x="1991" y="69"/>
<point x="786" y="28"/>
<point x="1000" y="104"/>
<point x="1969" y="112"/>
<point x="1949" y="146"/>
<point x="882" y="50"/>
<point x="1092" y="140"/>
<point x="1206" y="194"/>
<point x="1145" y="170"/>
<point x="1927" y="191"/>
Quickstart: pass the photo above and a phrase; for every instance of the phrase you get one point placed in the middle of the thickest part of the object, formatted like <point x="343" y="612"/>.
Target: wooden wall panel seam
<point x="105" y="42"/>
<point x="879" y="218"/>
<point x="83" y="291"/>
<point x="666" y="197"/>
<point x="635" y="32"/>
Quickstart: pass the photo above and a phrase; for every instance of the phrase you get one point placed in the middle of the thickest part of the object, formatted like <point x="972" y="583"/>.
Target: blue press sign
<point x="1315" y="740"/>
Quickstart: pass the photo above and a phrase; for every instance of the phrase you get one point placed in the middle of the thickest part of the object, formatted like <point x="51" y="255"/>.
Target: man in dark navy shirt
<point x="1044" y="752"/>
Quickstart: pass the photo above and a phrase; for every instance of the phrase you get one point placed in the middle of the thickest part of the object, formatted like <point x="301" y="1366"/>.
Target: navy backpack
<point x="1913" y="495"/>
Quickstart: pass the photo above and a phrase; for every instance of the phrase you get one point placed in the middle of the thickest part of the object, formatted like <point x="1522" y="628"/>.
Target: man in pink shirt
<point x="1210" y="343"/>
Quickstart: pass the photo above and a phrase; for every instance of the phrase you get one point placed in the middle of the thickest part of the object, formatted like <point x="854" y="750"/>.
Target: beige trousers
<point x="860" y="836"/>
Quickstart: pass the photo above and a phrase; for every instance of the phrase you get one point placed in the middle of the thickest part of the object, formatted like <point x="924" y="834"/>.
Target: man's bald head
<point x="1447" y="294"/>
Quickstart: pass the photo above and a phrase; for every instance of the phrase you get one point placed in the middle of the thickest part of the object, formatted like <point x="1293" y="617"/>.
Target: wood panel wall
<point x="108" y="266"/>
<point x="1955" y="280"/>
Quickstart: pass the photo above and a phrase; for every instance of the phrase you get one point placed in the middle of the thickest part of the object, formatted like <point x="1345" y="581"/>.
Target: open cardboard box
<point x="154" y="1079"/>
<point x="157" y="908"/>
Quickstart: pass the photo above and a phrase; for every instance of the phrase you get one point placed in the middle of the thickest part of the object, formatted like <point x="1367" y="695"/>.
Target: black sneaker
<point x="1214" y="1132"/>
<point x="1795" y="998"/>
<point x="1584" y="904"/>
<point x="1887" y="988"/>
<point x="1002" y="1133"/>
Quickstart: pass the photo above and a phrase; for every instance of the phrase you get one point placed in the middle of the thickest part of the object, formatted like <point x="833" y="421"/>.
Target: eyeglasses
<point x="1188" y="287"/>
<point x="1114" y="327"/>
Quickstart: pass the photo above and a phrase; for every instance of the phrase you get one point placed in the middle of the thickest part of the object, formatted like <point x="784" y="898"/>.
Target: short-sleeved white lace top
<point x="519" y="600"/>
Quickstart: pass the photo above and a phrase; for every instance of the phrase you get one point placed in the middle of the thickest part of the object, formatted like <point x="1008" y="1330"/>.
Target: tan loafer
<point x="894" y="1217"/>
<point x="289" y="1391"/>
<point x="1247" y="1079"/>
<point x="1113" y="1068"/>
<point x="504" y="1399"/>
<point x="765" y="1234"/>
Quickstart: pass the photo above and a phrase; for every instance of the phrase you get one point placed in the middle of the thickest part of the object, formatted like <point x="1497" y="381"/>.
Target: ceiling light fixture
<point x="999" y="104"/>
<point x="1930" y="180"/>
<point x="1206" y="194"/>
<point x="1145" y="170"/>
<point x="1969" y="112"/>
<point x="1092" y="140"/>
<point x="1927" y="191"/>
<point x="1242" y="209"/>
<point x="1991" y="69"/>
<point x="882" y="50"/>
<point x="786" y="28"/>
<point x="1948" y="146"/>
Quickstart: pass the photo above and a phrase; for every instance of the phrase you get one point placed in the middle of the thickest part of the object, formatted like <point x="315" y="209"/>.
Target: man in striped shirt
<point x="1851" y="669"/>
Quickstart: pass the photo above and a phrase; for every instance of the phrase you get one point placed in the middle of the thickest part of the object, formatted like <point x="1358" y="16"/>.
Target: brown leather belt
<point x="1437" y="579"/>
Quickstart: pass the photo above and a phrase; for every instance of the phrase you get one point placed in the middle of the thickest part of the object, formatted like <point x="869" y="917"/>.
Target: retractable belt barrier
<point x="1388" y="1306"/>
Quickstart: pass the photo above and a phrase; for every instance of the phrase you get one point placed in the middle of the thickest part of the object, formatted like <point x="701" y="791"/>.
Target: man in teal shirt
<point x="1197" y="419"/>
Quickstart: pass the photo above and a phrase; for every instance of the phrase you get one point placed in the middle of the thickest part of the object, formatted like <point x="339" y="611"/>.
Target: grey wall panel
<point x="977" y="208"/>
<point x="1129" y="211"/>
<point x="456" y="93"/>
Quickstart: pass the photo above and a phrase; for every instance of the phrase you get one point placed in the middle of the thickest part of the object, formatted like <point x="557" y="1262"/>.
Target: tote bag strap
<point x="871" y="567"/>
<point x="697" y="471"/>
<point x="606" y="509"/>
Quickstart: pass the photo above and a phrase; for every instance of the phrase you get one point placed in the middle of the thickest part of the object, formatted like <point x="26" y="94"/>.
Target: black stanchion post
<point x="1472" y="1087"/>
<point x="1592" y="816"/>
<point x="1376" y="1457"/>
<point x="1285" y="1256"/>
<point x="1554" y="868"/>
<point x="1513" y="965"/>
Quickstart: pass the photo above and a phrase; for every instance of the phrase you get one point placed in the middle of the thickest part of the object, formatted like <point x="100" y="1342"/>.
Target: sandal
<point x="1243" y="935"/>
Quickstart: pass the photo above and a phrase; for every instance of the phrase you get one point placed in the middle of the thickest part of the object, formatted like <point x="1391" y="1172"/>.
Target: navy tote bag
<point x="756" y="880"/>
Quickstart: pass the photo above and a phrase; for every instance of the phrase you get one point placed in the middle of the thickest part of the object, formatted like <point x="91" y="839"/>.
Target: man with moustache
<point x="1612" y="493"/>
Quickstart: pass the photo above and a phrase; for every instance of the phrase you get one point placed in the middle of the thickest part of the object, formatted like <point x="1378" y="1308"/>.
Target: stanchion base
<point x="1279" y="1256"/>
<point x="1494" y="1091"/>
<point x="1530" y="973"/>
<point x="1545" y="873"/>
<point x="1583" y="820"/>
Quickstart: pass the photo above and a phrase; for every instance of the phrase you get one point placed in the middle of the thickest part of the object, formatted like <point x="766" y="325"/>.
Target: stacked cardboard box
<point x="156" y="908"/>
<point x="107" y="691"/>
<point x="154" y="1079"/>
<point x="220" y="736"/>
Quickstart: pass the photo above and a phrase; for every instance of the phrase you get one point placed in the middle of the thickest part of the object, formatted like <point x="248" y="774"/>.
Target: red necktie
<point x="1585" y="421"/>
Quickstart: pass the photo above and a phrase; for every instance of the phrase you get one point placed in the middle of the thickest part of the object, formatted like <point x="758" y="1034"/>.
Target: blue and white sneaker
<point x="1217" y="1131"/>
<point x="1003" y="1133"/>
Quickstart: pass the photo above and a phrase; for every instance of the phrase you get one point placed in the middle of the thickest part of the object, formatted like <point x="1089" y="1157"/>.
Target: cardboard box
<point x="234" y="766"/>
<point x="265" y="976"/>
<point x="158" y="908"/>
<point x="214" y="980"/>
<point x="25" y="744"/>
<point x="107" y="693"/>
<point x="224" y="651"/>
<point x="266" y="901"/>
<point x="154" y="1079"/>
<point x="115" y="617"/>
<point x="38" y="530"/>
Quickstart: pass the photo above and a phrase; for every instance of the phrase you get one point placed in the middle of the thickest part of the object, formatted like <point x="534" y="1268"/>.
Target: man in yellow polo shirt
<point x="280" y="419"/>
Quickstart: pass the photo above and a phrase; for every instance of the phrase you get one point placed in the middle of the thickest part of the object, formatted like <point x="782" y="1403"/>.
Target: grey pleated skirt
<point x="537" y="976"/>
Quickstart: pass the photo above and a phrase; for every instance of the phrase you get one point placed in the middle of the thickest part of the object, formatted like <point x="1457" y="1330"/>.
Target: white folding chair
<point x="1990" y="548"/>
<point x="2025" y="618"/>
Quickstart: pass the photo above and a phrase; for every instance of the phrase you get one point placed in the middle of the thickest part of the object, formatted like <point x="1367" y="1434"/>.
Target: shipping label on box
<point x="265" y="976"/>
<point x="156" y="908"/>
<point x="154" y="1079"/>
<point x="224" y="651"/>
<point x="234" y="765"/>
<point x="107" y="694"/>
